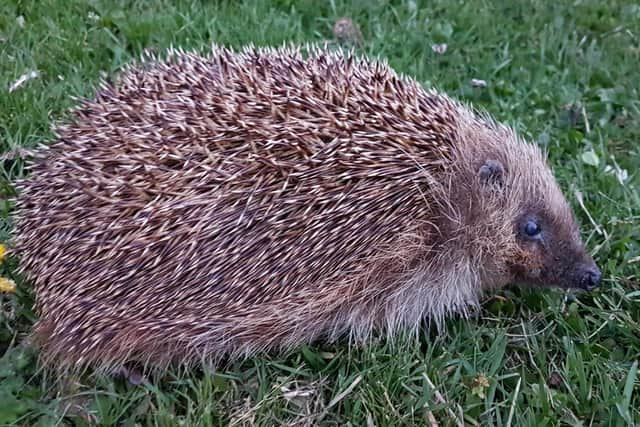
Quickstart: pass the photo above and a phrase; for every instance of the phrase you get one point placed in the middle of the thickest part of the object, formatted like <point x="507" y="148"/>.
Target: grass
<point x="564" y="74"/>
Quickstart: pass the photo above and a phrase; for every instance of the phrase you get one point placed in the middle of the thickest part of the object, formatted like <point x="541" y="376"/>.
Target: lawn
<point x="565" y="75"/>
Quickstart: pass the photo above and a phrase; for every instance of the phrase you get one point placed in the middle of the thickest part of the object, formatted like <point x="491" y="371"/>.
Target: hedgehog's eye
<point x="532" y="228"/>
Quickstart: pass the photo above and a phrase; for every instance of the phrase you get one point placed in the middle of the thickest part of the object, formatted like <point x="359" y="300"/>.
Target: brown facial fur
<point x="525" y="189"/>
<point x="216" y="206"/>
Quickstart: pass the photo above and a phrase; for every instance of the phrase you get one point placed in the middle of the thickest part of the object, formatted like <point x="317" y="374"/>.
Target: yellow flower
<point x="3" y="251"/>
<point x="7" y="286"/>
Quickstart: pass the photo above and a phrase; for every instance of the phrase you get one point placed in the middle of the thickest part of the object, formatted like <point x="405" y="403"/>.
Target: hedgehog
<point x="212" y="206"/>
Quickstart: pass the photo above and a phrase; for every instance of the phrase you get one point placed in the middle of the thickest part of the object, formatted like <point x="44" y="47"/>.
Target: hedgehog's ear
<point x="491" y="172"/>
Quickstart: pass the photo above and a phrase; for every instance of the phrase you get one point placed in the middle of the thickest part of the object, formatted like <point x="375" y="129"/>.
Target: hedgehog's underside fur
<point x="213" y="206"/>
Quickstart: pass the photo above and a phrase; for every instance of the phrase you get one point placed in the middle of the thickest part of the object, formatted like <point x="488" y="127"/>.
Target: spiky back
<point x="206" y="205"/>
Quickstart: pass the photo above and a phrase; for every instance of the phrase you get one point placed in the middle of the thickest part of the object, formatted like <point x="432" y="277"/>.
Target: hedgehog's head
<point x="523" y="229"/>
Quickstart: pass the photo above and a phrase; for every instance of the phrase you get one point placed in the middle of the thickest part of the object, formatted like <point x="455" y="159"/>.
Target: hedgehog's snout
<point x="582" y="273"/>
<point x="589" y="277"/>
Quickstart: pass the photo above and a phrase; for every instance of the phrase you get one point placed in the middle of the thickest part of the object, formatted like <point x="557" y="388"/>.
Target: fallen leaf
<point x="555" y="380"/>
<point x="590" y="158"/>
<point x="345" y="30"/>
<point x="478" y="385"/>
<point x="7" y="286"/>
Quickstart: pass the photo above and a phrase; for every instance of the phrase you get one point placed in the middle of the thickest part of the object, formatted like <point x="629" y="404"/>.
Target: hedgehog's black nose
<point x="590" y="278"/>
